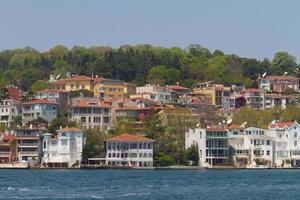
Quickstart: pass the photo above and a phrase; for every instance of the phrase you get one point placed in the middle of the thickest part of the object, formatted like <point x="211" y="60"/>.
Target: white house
<point x="63" y="149"/>
<point x="128" y="150"/>
<point x="287" y="138"/>
<point x="155" y="93"/>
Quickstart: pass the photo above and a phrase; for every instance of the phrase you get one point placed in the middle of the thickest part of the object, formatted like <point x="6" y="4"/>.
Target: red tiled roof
<point x="281" y="124"/>
<point x="281" y="78"/>
<point x="39" y="101"/>
<point x="14" y="93"/>
<point x="129" y="138"/>
<point x="142" y="99"/>
<point x="132" y="108"/>
<point x="71" y="129"/>
<point x="8" y="137"/>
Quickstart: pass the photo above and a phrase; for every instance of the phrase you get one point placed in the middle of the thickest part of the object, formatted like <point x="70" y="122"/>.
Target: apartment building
<point x="279" y="83"/>
<point x="9" y="109"/>
<point x="91" y="113"/>
<point x="54" y="95"/>
<point x="7" y="148"/>
<point x="39" y="109"/>
<point x="156" y="93"/>
<point x="255" y="98"/>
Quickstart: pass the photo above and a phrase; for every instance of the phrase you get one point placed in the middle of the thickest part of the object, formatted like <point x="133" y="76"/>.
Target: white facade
<point x="65" y="150"/>
<point x="9" y="109"/>
<point x="279" y="146"/>
<point x="155" y="93"/>
<point x="129" y="151"/>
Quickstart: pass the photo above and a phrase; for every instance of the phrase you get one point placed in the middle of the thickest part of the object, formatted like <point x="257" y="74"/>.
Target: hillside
<point x="138" y="64"/>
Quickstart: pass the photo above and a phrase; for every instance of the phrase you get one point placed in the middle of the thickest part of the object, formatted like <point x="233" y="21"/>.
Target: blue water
<point x="150" y="184"/>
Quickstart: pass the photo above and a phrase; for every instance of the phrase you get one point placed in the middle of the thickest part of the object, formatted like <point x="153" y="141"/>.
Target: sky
<point x="253" y="29"/>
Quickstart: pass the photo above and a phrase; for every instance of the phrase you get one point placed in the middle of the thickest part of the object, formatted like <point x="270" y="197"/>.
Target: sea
<point x="150" y="184"/>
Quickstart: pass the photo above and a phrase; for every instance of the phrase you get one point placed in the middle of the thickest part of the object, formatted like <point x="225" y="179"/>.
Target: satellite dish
<point x="264" y="74"/>
<point x="229" y="121"/>
<point x="197" y="125"/>
<point x="285" y="73"/>
<point x="57" y="77"/>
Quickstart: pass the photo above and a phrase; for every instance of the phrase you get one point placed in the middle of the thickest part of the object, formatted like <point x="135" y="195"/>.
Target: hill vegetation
<point x="29" y="69"/>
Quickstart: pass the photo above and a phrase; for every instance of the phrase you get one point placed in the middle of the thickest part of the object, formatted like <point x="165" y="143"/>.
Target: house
<point x="64" y="149"/>
<point x="279" y="83"/>
<point x="255" y="98"/>
<point x="29" y="145"/>
<point x="215" y="94"/>
<point x="9" y="109"/>
<point x="178" y="91"/>
<point x="287" y="139"/>
<point x="91" y="113"/>
<point x="156" y="93"/>
<point x="39" y="109"/>
<point x="54" y="95"/>
<point x="73" y="83"/>
<point x="213" y="145"/>
<point x="7" y="148"/>
<point x="107" y="88"/>
<point x="128" y="150"/>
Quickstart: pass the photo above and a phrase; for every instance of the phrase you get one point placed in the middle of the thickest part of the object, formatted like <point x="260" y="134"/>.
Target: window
<point x="44" y="145"/>
<point x="295" y="143"/>
<point x="64" y="142"/>
<point x="63" y="134"/>
<point x="268" y="142"/>
<point x="268" y="153"/>
<point x="295" y="134"/>
<point x="109" y="155"/>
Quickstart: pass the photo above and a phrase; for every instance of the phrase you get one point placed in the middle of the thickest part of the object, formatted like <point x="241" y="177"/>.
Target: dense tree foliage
<point x="262" y="118"/>
<point x="139" y="64"/>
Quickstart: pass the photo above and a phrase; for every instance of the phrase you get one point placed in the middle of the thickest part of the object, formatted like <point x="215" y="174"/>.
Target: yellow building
<point x="73" y="83"/>
<point x="215" y="94"/>
<point x="105" y="88"/>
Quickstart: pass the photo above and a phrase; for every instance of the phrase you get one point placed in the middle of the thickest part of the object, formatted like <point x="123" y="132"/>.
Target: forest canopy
<point x="138" y="64"/>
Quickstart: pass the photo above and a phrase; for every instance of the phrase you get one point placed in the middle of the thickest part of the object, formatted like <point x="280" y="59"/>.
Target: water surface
<point x="150" y="184"/>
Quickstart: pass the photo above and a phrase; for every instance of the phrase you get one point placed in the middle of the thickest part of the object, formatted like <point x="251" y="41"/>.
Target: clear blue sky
<point x="254" y="28"/>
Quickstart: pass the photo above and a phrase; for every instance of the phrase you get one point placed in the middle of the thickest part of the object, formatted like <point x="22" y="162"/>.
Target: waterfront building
<point x="91" y="113"/>
<point x="156" y="93"/>
<point x="287" y="143"/>
<point x="277" y="146"/>
<point x="63" y="149"/>
<point x="29" y="145"/>
<point x="279" y="83"/>
<point x="128" y="150"/>
<point x="38" y="109"/>
<point x="7" y="148"/>
<point x="58" y="96"/>
<point x="9" y="109"/>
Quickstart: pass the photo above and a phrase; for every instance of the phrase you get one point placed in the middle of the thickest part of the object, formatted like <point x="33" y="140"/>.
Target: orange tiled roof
<point x="177" y="87"/>
<point x="90" y="103"/>
<point x="215" y="129"/>
<point x="281" y="124"/>
<point x="79" y="78"/>
<point x="39" y="101"/>
<point x="71" y="129"/>
<point x="253" y="90"/>
<point x="233" y="126"/>
<point x="129" y="138"/>
<point x="58" y="82"/>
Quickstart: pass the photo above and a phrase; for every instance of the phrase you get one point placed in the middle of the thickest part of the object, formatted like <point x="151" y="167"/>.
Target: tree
<point x="95" y="144"/>
<point x="192" y="154"/>
<point x="4" y="94"/>
<point x="39" y="85"/>
<point x="81" y="93"/>
<point x="283" y="62"/>
<point x="61" y="120"/>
